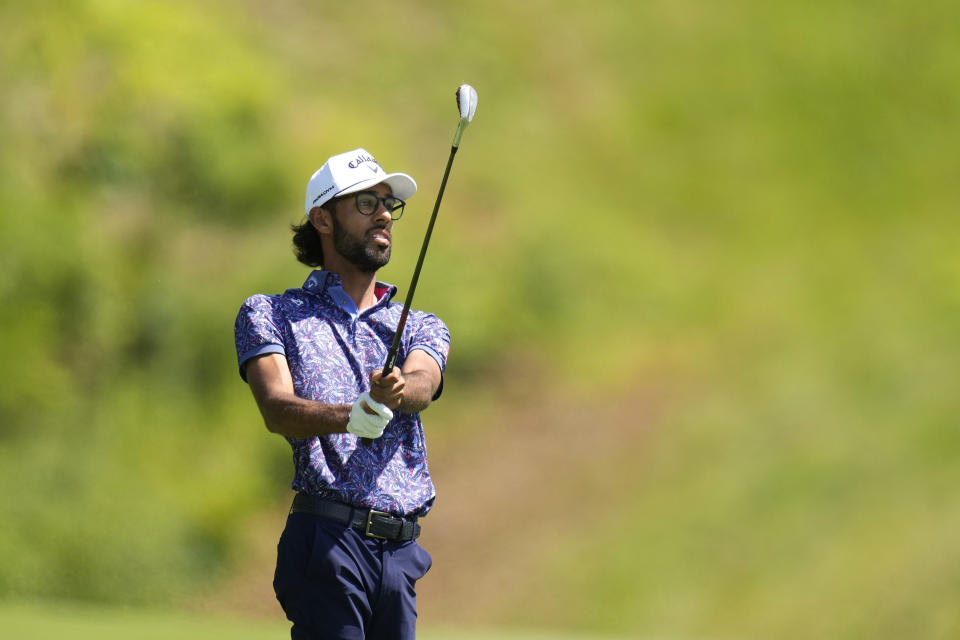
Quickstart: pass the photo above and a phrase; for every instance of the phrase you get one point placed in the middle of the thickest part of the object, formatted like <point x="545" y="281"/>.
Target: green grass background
<point x="33" y="622"/>
<point x="735" y="223"/>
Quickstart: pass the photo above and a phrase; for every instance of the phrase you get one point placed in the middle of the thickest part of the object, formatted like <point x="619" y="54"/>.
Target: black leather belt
<point x="372" y="524"/>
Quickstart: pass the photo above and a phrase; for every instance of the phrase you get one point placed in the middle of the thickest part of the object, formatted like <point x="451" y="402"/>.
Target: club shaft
<point x="395" y="347"/>
<point x="398" y="336"/>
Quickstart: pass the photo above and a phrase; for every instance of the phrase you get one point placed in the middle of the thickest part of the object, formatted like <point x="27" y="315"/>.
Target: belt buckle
<point x="370" y="515"/>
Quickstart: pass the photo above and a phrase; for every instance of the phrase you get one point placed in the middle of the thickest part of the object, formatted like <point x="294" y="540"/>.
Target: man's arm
<point x="412" y="389"/>
<point x="285" y="413"/>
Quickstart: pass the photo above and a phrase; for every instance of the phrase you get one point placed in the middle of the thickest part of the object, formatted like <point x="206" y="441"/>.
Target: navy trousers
<point x="333" y="582"/>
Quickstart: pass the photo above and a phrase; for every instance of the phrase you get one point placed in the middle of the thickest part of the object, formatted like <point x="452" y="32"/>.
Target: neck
<point x="360" y="286"/>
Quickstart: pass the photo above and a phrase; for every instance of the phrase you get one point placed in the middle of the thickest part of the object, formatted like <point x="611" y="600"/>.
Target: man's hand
<point x="387" y="389"/>
<point x="368" y="418"/>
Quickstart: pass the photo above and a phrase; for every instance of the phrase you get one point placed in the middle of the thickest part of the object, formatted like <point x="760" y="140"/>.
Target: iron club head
<point x="467" y="104"/>
<point x="467" y="101"/>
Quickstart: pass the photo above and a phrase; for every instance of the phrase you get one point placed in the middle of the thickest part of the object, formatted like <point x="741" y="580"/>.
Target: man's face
<point x="364" y="240"/>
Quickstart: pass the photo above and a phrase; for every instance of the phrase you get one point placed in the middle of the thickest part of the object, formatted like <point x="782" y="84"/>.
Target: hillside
<point x="697" y="261"/>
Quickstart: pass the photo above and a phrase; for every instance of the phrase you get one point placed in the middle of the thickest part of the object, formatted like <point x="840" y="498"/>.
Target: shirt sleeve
<point x="432" y="336"/>
<point x="257" y="331"/>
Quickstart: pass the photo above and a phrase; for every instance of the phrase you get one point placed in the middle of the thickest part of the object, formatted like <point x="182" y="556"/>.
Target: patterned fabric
<point x="331" y="348"/>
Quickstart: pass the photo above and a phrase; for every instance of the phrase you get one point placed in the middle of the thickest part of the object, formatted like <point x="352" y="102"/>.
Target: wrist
<point x="368" y="418"/>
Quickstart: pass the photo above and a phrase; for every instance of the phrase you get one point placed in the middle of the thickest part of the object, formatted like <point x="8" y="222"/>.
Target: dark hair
<point x="306" y="243"/>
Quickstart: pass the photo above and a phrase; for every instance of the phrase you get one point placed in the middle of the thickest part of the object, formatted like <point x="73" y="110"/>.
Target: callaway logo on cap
<point x="351" y="172"/>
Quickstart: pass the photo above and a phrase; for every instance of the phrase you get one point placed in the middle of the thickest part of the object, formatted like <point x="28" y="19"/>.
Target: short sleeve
<point x="430" y="334"/>
<point x="256" y="331"/>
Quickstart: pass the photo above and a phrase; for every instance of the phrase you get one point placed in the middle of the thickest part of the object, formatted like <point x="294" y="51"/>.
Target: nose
<point x="382" y="213"/>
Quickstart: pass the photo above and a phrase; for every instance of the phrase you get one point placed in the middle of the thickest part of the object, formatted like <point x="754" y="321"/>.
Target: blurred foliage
<point x="751" y="203"/>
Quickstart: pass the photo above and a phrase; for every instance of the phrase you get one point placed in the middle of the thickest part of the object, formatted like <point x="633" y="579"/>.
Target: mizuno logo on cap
<point x="324" y="192"/>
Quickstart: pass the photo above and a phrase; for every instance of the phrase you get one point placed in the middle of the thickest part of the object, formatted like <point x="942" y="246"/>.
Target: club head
<point x="467" y="101"/>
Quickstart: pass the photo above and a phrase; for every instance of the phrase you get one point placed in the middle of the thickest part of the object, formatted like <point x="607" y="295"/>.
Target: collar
<point x="322" y="282"/>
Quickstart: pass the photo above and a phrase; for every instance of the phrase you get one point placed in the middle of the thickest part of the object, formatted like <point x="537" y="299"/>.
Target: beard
<point x="365" y="256"/>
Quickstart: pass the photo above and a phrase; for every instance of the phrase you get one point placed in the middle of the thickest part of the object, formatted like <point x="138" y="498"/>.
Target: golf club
<point x="467" y="104"/>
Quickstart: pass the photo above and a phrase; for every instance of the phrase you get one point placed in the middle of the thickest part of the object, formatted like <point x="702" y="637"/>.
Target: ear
<point x="320" y="218"/>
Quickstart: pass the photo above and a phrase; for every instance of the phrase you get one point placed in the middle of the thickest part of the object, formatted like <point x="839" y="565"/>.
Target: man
<point x="348" y="559"/>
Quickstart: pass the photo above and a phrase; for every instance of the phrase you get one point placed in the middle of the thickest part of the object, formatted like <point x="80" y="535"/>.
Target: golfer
<point x="348" y="560"/>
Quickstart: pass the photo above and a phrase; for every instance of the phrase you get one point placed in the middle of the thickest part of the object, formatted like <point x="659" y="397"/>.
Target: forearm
<point x="283" y="411"/>
<point x="418" y="393"/>
<point x="294" y="417"/>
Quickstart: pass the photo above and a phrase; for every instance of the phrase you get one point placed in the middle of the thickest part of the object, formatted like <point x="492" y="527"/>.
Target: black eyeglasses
<point x="368" y="202"/>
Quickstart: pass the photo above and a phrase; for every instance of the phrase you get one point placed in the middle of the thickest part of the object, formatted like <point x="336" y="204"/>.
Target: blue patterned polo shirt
<point x="331" y="347"/>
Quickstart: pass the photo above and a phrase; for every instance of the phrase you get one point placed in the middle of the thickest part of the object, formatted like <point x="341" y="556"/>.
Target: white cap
<point x="351" y="172"/>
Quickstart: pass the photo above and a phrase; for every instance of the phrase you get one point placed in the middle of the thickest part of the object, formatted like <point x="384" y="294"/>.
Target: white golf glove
<point x="368" y="425"/>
